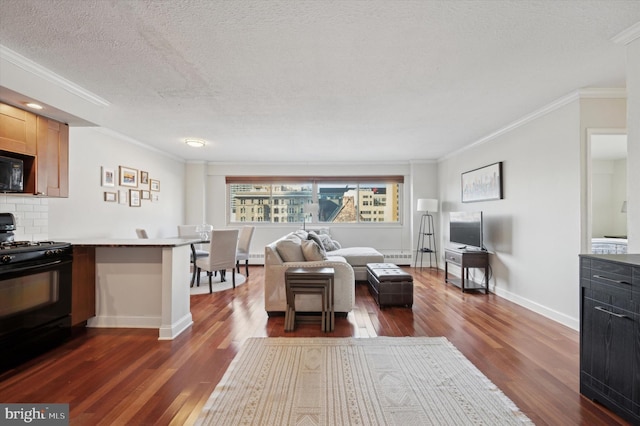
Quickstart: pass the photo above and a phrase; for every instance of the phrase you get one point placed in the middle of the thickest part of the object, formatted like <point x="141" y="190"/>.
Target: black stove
<point x="22" y="251"/>
<point x="35" y="294"/>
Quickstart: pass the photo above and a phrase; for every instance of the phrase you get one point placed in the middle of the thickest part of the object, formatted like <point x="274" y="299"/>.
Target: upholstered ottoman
<point x="390" y="285"/>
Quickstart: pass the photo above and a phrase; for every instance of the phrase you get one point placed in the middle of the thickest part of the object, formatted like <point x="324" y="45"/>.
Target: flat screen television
<point x="465" y="229"/>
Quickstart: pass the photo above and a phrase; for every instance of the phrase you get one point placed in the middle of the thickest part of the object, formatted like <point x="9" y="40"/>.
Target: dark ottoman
<point x="390" y="285"/>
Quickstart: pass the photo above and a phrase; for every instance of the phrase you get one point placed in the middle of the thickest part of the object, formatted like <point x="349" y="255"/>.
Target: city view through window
<point x="334" y="202"/>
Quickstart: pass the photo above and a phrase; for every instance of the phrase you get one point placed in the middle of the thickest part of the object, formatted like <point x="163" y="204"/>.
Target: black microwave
<point x="11" y="175"/>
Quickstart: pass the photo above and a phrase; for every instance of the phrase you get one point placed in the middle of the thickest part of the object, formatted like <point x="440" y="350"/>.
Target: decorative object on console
<point x="482" y="184"/>
<point x="427" y="229"/>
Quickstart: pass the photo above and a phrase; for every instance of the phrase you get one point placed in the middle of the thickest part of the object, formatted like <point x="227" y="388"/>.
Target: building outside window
<point x="348" y="201"/>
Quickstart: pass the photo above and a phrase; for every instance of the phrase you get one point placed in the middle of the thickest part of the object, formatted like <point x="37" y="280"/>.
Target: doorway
<point x="607" y="189"/>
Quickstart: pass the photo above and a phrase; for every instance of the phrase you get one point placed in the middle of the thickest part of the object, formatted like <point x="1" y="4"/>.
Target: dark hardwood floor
<point x="128" y="377"/>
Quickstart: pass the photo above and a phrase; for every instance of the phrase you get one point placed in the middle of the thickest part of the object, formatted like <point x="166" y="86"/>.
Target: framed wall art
<point x="108" y="177"/>
<point x="144" y="178"/>
<point x="145" y="195"/>
<point x="122" y="196"/>
<point x="134" y="198"/>
<point x="128" y="177"/>
<point x="155" y="184"/>
<point x="482" y="184"/>
<point x="110" y="196"/>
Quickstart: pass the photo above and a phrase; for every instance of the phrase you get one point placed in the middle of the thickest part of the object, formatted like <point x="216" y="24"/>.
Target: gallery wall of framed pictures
<point x="129" y="186"/>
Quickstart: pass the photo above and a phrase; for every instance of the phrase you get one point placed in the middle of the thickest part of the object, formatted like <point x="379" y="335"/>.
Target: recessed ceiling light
<point x="34" y="105"/>
<point x="195" y="143"/>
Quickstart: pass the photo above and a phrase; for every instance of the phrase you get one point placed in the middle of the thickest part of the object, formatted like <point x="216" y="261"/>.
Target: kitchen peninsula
<point x="141" y="283"/>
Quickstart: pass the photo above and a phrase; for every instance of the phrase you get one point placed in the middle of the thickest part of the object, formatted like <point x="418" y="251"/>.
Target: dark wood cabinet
<point x="83" y="286"/>
<point x="467" y="259"/>
<point x="610" y="332"/>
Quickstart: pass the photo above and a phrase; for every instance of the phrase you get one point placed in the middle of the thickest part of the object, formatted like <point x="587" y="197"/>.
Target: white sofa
<point x="275" y="300"/>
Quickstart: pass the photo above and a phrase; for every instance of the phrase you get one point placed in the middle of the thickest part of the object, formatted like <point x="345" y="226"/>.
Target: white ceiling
<point x="319" y="80"/>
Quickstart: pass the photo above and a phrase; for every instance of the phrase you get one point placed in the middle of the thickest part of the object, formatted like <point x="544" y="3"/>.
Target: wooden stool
<point x="310" y="281"/>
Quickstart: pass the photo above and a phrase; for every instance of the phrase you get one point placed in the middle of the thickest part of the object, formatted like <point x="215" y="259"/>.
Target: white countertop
<point x="132" y="242"/>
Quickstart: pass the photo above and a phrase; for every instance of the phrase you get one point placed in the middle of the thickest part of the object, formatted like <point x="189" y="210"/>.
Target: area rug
<point x="348" y="381"/>
<point x="217" y="285"/>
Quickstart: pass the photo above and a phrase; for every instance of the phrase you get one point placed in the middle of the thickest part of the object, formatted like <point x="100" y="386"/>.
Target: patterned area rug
<point x="347" y="381"/>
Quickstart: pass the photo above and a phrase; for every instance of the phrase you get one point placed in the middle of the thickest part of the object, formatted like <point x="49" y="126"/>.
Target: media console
<point x="466" y="259"/>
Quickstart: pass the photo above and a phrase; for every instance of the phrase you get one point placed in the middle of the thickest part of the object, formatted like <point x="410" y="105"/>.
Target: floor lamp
<point x="427" y="229"/>
<point x="310" y="208"/>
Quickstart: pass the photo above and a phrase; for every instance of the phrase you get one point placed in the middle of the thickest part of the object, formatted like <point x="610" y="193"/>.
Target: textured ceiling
<point x="320" y="80"/>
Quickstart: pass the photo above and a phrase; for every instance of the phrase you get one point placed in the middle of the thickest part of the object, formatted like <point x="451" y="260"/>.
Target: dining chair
<point x="142" y="233"/>
<point x="244" y="242"/>
<point x="190" y="231"/>
<point x="222" y="256"/>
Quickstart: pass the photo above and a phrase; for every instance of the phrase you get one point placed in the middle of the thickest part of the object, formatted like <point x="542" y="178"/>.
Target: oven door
<point x="34" y="296"/>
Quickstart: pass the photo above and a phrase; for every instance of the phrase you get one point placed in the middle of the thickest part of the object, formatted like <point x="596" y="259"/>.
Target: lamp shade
<point x="427" y="205"/>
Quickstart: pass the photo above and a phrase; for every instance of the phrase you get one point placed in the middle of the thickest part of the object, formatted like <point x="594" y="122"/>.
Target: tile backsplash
<point x="32" y="216"/>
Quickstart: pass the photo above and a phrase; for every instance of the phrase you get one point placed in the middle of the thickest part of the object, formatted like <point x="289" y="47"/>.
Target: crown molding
<point x="588" y="93"/>
<point x="627" y="36"/>
<point x="48" y="75"/>
<point x="128" y="139"/>
<point x="603" y="93"/>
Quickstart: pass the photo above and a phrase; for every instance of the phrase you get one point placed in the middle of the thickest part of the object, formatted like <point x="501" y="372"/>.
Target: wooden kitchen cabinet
<point x="42" y="144"/>
<point x="83" y="285"/>
<point x="17" y="130"/>
<point x="52" y="157"/>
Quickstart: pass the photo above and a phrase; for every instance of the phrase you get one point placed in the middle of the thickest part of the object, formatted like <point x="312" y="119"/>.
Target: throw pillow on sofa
<point x="315" y="237"/>
<point x="290" y="251"/>
<point x="312" y="251"/>
<point x="328" y="243"/>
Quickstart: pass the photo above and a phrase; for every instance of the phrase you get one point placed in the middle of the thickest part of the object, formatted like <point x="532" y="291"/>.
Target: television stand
<point x="466" y="259"/>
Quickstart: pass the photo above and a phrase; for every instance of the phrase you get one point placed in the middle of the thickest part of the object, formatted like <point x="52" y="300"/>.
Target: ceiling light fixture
<point x="195" y="143"/>
<point x="34" y="105"/>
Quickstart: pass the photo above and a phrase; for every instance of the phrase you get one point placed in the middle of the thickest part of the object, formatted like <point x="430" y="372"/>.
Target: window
<point x="338" y="200"/>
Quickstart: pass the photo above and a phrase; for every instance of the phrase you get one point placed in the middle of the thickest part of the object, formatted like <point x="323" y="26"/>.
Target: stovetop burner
<point x="6" y="245"/>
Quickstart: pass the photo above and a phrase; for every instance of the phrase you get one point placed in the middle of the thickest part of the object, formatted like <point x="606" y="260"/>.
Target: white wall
<point x="534" y="232"/>
<point x="86" y="214"/>
<point x="386" y="238"/>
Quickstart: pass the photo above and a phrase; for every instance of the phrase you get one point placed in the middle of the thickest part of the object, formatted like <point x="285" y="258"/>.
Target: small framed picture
<point x="128" y="177"/>
<point x="134" y="198"/>
<point x="122" y="196"/>
<point x="108" y="177"/>
<point x="155" y="185"/>
<point x="155" y="198"/>
<point x="145" y="195"/>
<point x="110" y="196"/>
<point x="144" y="178"/>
